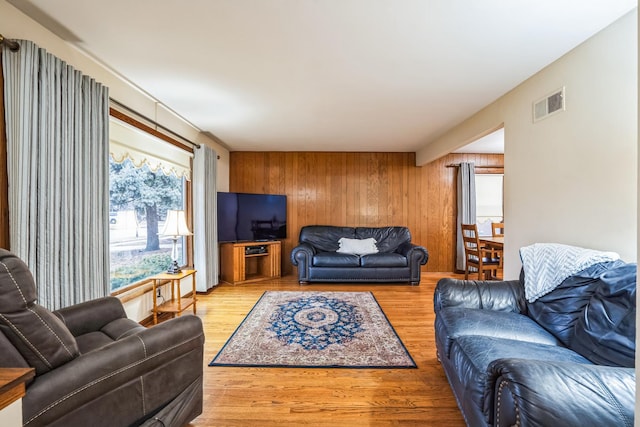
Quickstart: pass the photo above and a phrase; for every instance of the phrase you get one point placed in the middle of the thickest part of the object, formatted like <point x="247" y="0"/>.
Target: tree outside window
<point x="139" y="199"/>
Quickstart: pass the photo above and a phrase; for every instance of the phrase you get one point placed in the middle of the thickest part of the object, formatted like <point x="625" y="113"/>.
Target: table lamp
<point x="175" y="226"/>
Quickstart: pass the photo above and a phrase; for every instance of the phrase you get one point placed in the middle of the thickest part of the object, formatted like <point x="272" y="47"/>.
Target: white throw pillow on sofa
<point x="357" y="246"/>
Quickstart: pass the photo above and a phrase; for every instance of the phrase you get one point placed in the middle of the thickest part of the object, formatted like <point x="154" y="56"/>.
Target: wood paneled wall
<point x="360" y="189"/>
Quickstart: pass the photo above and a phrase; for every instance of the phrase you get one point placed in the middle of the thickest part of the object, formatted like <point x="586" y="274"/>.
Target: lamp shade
<point x="176" y="224"/>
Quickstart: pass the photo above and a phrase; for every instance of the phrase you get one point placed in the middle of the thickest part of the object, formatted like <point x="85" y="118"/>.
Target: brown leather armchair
<point x="94" y="366"/>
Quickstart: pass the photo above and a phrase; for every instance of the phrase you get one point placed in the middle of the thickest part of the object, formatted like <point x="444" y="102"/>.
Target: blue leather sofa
<point x="397" y="259"/>
<point x="566" y="359"/>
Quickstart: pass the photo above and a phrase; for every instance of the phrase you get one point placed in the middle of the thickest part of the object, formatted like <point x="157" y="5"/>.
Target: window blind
<point x="126" y="141"/>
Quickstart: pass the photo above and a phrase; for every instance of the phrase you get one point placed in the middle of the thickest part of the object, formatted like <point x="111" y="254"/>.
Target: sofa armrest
<point x="413" y="252"/>
<point x="488" y="295"/>
<point x="537" y="393"/>
<point x="302" y="254"/>
<point x="138" y="360"/>
<point x="92" y="315"/>
<point x="301" y="257"/>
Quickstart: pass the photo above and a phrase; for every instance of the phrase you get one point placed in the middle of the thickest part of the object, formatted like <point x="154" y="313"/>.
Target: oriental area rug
<point x="315" y="330"/>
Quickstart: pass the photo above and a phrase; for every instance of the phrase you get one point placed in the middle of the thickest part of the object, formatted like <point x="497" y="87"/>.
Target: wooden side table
<point x="12" y="390"/>
<point x="177" y="304"/>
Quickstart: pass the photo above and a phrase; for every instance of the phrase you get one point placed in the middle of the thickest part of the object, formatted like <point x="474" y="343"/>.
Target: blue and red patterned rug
<point x="315" y="330"/>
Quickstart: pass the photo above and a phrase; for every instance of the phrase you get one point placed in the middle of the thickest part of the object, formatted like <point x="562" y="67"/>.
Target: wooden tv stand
<point x="246" y="262"/>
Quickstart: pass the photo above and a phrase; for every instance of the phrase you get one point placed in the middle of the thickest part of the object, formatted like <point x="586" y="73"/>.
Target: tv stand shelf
<point x="255" y="255"/>
<point x="246" y="262"/>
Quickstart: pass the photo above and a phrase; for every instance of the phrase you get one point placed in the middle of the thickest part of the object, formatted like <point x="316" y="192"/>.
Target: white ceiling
<point x="326" y="75"/>
<point x="488" y="144"/>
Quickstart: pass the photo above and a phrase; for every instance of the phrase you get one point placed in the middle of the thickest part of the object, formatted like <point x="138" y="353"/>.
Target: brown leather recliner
<point x="94" y="366"/>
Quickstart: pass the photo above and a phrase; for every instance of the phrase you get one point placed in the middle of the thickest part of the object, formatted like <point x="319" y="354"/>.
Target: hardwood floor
<point x="327" y="397"/>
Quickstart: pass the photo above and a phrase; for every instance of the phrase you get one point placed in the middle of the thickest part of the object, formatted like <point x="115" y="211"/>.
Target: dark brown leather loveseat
<point x="94" y="366"/>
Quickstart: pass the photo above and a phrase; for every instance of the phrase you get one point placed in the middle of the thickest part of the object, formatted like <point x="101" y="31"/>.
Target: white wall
<point x="11" y="416"/>
<point x="16" y="25"/>
<point x="572" y="177"/>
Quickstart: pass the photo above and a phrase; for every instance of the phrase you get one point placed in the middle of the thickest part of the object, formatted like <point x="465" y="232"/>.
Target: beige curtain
<point x="466" y="206"/>
<point x="57" y="148"/>
<point x="205" y="227"/>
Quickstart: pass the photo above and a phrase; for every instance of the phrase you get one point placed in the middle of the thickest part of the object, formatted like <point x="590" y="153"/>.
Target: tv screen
<point x="251" y="217"/>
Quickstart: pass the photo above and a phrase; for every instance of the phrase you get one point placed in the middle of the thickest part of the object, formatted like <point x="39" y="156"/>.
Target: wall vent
<point x="549" y="105"/>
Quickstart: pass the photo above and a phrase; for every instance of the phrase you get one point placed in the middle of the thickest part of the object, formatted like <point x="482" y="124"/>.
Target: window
<point x="147" y="177"/>
<point x="489" y="201"/>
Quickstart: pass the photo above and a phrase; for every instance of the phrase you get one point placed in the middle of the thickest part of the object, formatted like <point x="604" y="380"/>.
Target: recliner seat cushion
<point x="40" y="336"/>
<point x="112" y="331"/>
<point x="92" y="341"/>
<point x="455" y="322"/>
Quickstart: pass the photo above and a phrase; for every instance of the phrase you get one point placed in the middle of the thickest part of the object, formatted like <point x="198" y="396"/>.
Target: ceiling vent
<point x="549" y="105"/>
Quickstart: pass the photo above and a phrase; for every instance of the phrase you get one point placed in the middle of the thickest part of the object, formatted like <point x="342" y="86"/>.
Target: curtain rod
<point x="13" y="45"/>
<point x="456" y="165"/>
<point x="153" y="122"/>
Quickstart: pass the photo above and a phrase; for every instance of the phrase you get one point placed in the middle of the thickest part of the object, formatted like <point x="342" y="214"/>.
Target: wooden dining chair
<point x="497" y="229"/>
<point x="485" y="261"/>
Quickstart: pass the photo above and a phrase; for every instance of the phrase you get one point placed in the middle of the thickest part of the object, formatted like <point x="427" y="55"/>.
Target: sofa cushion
<point x="121" y="328"/>
<point x="325" y="237"/>
<point x="388" y="238"/>
<point x="357" y="246"/>
<point x="40" y="337"/>
<point x="383" y="260"/>
<point x="335" y="259"/>
<point x="92" y="341"/>
<point x="606" y="331"/>
<point x="471" y="356"/>
<point x="559" y="310"/>
<point x="455" y="322"/>
<point x="112" y="331"/>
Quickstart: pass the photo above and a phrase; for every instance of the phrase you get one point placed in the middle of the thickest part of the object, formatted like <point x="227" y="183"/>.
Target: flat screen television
<point x="251" y="217"/>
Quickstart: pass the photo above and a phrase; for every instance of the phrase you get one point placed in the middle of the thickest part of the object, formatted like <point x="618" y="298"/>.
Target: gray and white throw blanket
<point x="547" y="265"/>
